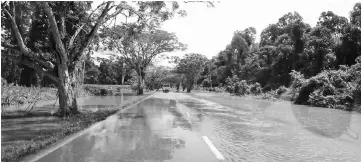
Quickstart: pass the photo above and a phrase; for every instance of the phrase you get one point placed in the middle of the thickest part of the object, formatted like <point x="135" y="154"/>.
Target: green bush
<point x="355" y="71"/>
<point x="281" y="90"/>
<point x="298" y="80"/>
<point x="330" y="88"/>
<point x="18" y="95"/>
<point x="242" y="87"/>
<point x="102" y="90"/>
<point x="255" y="88"/>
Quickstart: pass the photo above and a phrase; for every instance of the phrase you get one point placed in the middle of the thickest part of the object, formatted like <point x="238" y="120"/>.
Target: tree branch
<point x="91" y="35"/>
<point x="40" y="70"/>
<point x="72" y="39"/>
<point x="35" y="67"/>
<point x="21" y="45"/>
<point x="55" y="32"/>
<point x="32" y="56"/>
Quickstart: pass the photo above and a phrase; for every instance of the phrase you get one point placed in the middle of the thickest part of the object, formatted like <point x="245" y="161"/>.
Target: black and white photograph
<point x="181" y="81"/>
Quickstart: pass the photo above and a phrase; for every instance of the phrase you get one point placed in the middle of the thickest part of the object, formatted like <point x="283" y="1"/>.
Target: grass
<point x="16" y="150"/>
<point x="19" y="95"/>
<point x="103" y="90"/>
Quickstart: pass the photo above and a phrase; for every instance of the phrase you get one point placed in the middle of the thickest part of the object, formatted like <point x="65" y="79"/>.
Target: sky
<point x="208" y="30"/>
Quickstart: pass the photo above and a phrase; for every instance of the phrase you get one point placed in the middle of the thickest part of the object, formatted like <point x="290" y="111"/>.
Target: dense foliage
<point x="191" y="65"/>
<point x="309" y="65"/>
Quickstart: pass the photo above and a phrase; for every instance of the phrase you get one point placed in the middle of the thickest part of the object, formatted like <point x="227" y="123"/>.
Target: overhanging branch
<point x="33" y="66"/>
<point x="91" y="35"/>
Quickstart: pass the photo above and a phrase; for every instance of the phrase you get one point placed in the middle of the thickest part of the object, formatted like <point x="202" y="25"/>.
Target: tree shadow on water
<point x="330" y="123"/>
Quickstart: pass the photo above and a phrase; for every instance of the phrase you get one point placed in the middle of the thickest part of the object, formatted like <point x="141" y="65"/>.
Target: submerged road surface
<point x="178" y="127"/>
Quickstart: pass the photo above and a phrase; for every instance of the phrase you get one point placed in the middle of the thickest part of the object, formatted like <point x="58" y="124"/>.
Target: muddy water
<point x="255" y="130"/>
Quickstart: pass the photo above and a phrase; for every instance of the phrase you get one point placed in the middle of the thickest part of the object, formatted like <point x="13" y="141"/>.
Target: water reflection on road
<point x="154" y="130"/>
<point x="255" y="130"/>
<point x="169" y="127"/>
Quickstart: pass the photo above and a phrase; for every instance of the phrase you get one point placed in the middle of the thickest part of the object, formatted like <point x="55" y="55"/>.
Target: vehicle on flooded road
<point x="166" y="88"/>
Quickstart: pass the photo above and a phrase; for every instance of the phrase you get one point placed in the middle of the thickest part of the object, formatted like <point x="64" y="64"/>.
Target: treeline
<point x="321" y="64"/>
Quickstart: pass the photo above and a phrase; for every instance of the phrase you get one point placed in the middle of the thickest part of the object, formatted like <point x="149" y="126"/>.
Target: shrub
<point x="205" y="83"/>
<point x="330" y="88"/>
<point x="255" y="88"/>
<point x="281" y="90"/>
<point x="17" y="95"/>
<point x="242" y="88"/>
<point x="355" y="71"/>
<point x="298" y="80"/>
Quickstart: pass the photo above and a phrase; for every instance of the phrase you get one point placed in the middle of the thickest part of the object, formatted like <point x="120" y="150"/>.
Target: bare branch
<point x="72" y="39"/>
<point x="8" y="13"/>
<point x="91" y="35"/>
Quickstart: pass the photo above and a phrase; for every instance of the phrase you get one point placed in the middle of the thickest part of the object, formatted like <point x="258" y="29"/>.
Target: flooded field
<point x="25" y="128"/>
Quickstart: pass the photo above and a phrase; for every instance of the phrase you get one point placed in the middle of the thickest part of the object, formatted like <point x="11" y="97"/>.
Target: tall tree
<point x="191" y="65"/>
<point x="70" y="31"/>
<point x="139" y="51"/>
<point x="155" y="75"/>
<point x="140" y="41"/>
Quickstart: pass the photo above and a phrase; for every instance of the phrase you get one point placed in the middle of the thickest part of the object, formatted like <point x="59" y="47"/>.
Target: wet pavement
<point x="171" y="127"/>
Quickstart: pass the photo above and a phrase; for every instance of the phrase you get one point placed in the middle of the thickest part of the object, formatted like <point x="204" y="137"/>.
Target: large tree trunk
<point x="123" y="78"/>
<point x="123" y="73"/>
<point x="140" y="85"/>
<point x="189" y="88"/>
<point x="67" y="93"/>
<point x="177" y="87"/>
<point x="190" y="85"/>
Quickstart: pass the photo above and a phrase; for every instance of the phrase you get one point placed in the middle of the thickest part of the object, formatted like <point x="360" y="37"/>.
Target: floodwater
<point x="26" y="128"/>
<point x="257" y="130"/>
<point x="170" y="127"/>
<point x="98" y="102"/>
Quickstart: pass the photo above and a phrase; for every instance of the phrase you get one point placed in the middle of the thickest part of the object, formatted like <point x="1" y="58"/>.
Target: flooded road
<point x="172" y="127"/>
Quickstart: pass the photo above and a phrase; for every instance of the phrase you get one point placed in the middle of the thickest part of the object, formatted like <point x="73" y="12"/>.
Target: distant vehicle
<point x="166" y="88"/>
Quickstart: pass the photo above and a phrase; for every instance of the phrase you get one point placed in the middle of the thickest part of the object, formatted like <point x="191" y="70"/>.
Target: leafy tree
<point x="108" y="73"/>
<point x="91" y="72"/>
<point x="64" y="32"/>
<point x="332" y="21"/>
<point x="141" y="41"/>
<point x="191" y="65"/>
<point x="355" y="15"/>
<point x="155" y="75"/>
<point x="140" y="51"/>
<point x="65" y="42"/>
